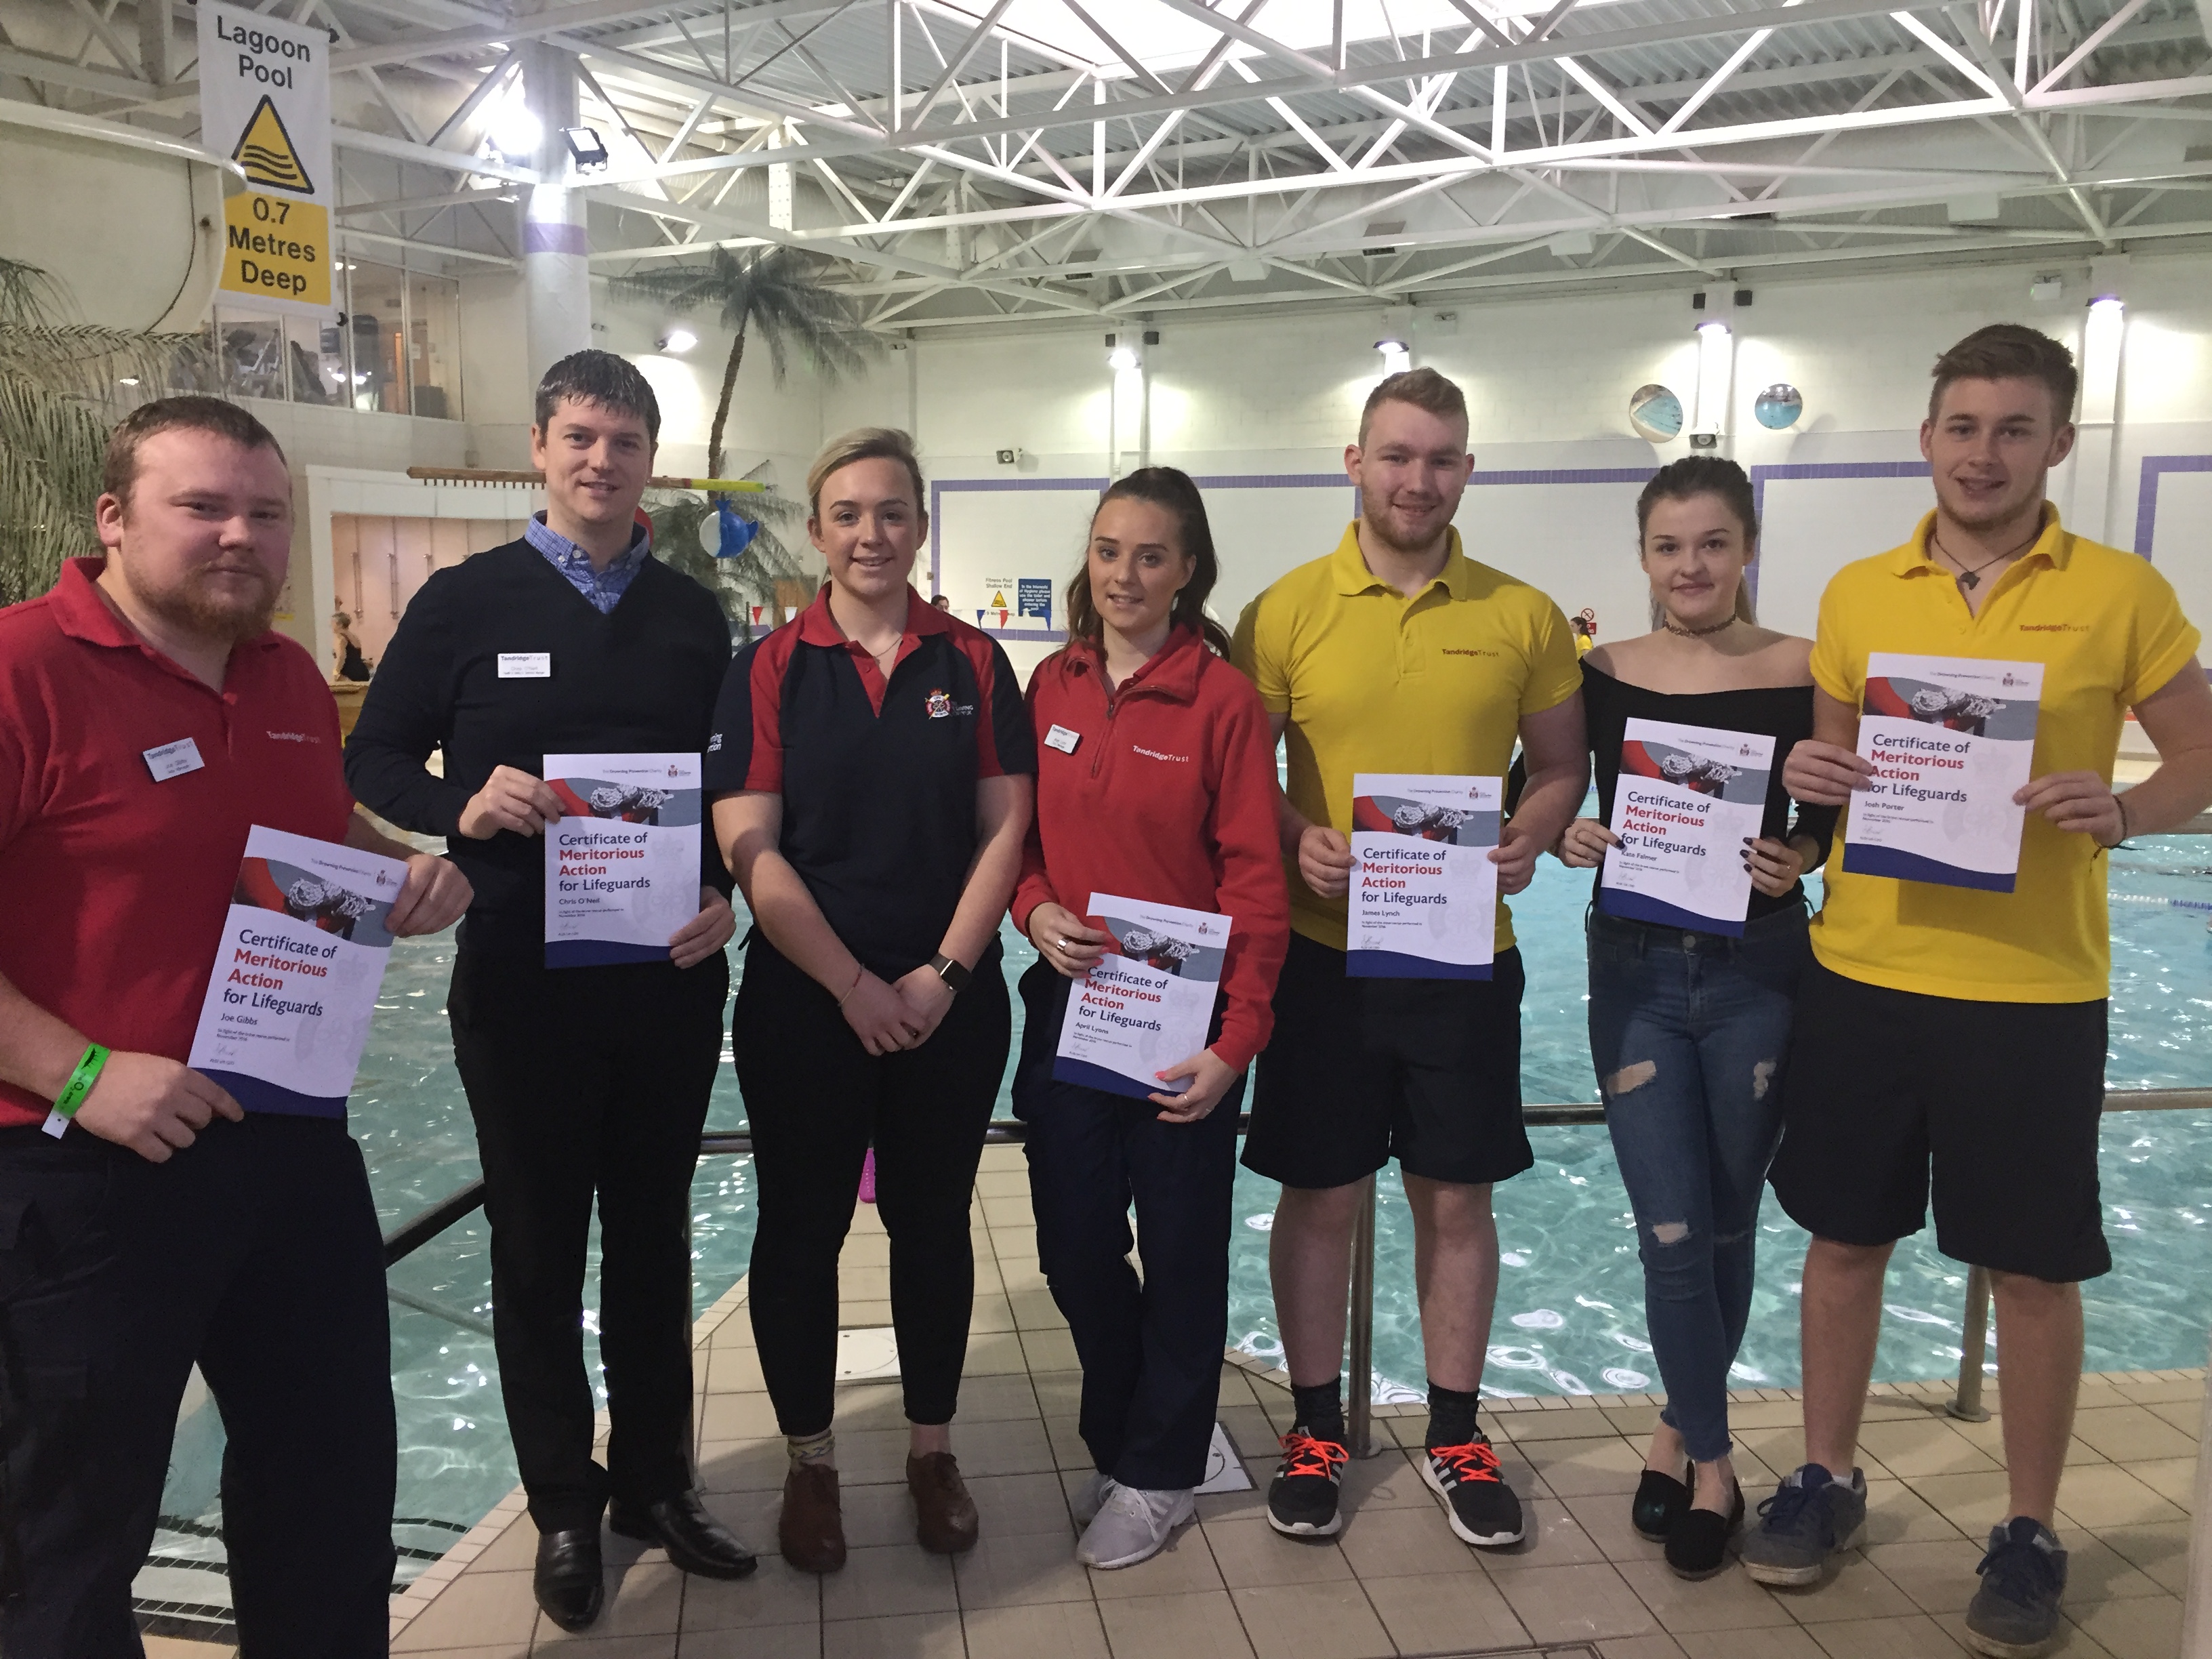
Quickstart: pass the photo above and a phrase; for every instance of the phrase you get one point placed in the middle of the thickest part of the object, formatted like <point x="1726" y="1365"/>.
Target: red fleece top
<point x="1170" y="797"/>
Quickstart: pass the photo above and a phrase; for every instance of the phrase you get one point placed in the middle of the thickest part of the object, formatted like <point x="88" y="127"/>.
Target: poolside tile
<point x="1003" y="1157"/>
<point x="1780" y="1446"/>
<point x="755" y="1642"/>
<point x="1656" y="1645"/>
<point x="1896" y="1514"/>
<point x="514" y="1549"/>
<point x="2173" y="1478"/>
<point x="889" y="1582"/>
<point x="1020" y="1273"/>
<point x="1388" y="1481"/>
<point x="1575" y="1603"/>
<point x="864" y="1457"/>
<point x="1048" y="1350"/>
<point x="1975" y="1503"/>
<point x="996" y="1354"/>
<point x="1525" y="1427"/>
<point x="1221" y="1505"/>
<point x="1554" y="1538"/>
<point x="1036" y="1311"/>
<point x="996" y="1400"/>
<point x="646" y="1599"/>
<point x="1927" y="1447"/>
<point x="1250" y="1554"/>
<point x="734" y="1370"/>
<point x="1605" y="1519"/>
<point x="2104" y="1495"/>
<point x="991" y="1313"/>
<point x="1066" y="1630"/>
<point x="1854" y="1589"/>
<point x="2146" y="1627"/>
<point x="1193" y="1625"/>
<point x="875" y="1516"/>
<point x="476" y="1610"/>
<point x="868" y="1249"/>
<point x="1446" y="1614"/>
<point x="2160" y="1551"/>
<point x="1314" y="1621"/>
<point x="593" y="1643"/>
<point x="1389" y="1543"/>
<point x="1936" y="1576"/>
<point x="2132" y="1434"/>
<point x="775" y="1593"/>
<point x="1584" y="1467"/>
<point x="1185" y="1565"/>
<point x="2187" y="1415"/>
<point x="1020" y="1505"/>
<point x="1776" y="1643"/>
<point x="1729" y="1601"/>
<point x="1020" y="1570"/>
<point x="1009" y="1447"/>
<point x="1068" y="1450"/>
<point x="1913" y="1636"/>
<point x="914" y="1636"/>
<point x="1002" y="1183"/>
<point x="2166" y="1391"/>
<point x="738" y="1417"/>
<point x="2095" y="1571"/>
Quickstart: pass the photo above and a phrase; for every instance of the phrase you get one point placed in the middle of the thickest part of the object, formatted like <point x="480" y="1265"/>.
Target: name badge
<point x="525" y="664"/>
<point x="173" y="760"/>
<point x="1062" y="738"/>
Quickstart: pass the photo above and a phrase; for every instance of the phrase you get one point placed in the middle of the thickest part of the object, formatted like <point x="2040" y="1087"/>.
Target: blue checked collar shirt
<point x="604" y="588"/>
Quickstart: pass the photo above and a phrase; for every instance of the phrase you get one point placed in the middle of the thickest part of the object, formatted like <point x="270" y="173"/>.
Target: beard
<point x="210" y="609"/>
<point x="1375" y="512"/>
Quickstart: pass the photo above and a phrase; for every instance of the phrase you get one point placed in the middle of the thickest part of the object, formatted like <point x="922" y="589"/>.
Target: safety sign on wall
<point x="265" y="103"/>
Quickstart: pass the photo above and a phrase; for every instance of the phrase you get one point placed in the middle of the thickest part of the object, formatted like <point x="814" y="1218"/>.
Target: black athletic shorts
<point x="1361" y="1071"/>
<point x="2001" y="1100"/>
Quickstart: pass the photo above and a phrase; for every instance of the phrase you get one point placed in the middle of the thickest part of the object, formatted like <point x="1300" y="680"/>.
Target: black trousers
<point x="815" y="1098"/>
<point x="254" y="1252"/>
<point x="586" y="1081"/>
<point x="1150" y="1348"/>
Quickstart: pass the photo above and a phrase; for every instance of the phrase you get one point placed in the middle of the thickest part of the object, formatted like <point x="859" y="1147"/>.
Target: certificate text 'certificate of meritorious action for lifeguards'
<point x="621" y="863"/>
<point x="1688" y="799"/>
<point x="1951" y="739"/>
<point x="1148" y="1002"/>
<point x="304" y="948"/>
<point x="1424" y="901"/>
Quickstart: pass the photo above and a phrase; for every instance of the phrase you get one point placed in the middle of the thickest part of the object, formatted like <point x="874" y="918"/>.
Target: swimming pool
<point x="1570" y="1305"/>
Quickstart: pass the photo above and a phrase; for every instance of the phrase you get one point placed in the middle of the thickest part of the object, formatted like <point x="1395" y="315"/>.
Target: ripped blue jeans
<point x="1688" y="1032"/>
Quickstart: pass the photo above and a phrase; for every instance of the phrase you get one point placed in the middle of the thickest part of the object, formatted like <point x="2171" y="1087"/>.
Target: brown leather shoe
<point x="813" y="1529"/>
<point x="945" y="1515"/>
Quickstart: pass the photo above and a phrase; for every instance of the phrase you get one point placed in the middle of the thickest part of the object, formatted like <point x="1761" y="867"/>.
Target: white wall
<point x="1276" y="397"/>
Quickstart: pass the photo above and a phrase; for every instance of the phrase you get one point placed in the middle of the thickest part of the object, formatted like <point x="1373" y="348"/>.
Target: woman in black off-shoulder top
<point x="1689" y="1026"/>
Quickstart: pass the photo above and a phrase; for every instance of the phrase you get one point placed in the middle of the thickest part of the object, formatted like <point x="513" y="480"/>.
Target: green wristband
<point x="81" y="1081"/>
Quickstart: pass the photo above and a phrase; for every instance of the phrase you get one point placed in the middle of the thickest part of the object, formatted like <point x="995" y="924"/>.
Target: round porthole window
<point x="1656" y="413"/>
<point x="1779" y="407"/>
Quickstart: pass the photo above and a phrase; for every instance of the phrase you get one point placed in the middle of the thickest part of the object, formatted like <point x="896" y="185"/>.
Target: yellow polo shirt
<point x="2108" y="631"/>
<point x="1374" y="682"/>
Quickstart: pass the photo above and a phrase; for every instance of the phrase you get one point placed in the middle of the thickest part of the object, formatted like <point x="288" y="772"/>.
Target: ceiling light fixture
<point x="676" y="340"/>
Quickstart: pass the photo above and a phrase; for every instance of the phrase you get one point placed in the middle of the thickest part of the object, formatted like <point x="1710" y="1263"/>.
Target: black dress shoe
<point x="1659" y="1500"/>
<point x="695" y="1540"/>
<point x="569" y="1581"/>
<point x="1696" y="1546"/>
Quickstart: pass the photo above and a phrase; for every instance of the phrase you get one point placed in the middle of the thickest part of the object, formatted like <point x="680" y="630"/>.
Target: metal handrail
<point x="426" y="1224"/>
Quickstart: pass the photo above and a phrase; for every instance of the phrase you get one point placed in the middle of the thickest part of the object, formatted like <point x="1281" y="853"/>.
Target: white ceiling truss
<point x="969" y="162"/>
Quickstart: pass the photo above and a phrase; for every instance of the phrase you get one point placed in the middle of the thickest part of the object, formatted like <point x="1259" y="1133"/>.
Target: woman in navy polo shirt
<point x="873" y="773"/>
<point x="1160" y="787"/>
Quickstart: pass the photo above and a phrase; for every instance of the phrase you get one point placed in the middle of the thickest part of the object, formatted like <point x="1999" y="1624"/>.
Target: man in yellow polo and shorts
<point x="1952" y="1038"/>
<point x="1399" y="653"/>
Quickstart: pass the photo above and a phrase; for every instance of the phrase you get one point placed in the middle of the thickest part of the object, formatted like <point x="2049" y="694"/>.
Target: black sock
<point x="1319" y="1410"/>
<point x="1451" y="1416"/>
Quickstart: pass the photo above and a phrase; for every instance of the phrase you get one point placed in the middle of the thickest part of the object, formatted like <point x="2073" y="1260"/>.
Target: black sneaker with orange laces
<point x="1301" y="1497"/>
<point x="1483" y="1509"/>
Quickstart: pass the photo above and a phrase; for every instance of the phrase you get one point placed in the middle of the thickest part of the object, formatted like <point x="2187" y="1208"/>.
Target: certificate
<point x="1423" y="890"/>
<point x="295" y="980"/>
<point x="1688" y="799"/>
<point x="1149" y="1000"/>
<point x="621" y="863"/>
<point x="1951" y="740"/>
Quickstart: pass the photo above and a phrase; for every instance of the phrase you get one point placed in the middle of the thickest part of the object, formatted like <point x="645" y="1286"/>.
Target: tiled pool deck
<point x="1395" y="1582"/>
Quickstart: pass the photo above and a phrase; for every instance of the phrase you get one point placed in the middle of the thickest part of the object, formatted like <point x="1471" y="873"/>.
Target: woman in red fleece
<point x="1155" y="782"/>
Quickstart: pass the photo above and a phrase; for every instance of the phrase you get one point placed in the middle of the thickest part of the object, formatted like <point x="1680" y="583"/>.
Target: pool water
<point x="1570" y="1311"/>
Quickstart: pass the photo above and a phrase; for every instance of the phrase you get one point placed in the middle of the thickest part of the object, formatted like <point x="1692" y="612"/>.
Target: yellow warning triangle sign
<point x="265" y="151"/>
<point x="997" y="602"/>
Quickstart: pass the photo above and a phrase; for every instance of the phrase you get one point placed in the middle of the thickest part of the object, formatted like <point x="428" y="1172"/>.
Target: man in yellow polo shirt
<point x="1399" y="653"/>
<point x="1962" y="1029"/>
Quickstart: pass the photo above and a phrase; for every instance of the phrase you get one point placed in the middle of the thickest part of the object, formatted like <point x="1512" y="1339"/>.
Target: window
<point x="433" y="346"/>
<point x="394" y="348"/>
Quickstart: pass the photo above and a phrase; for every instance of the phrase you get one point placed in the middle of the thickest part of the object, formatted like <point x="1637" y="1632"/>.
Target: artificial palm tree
<point x="777" y="293"/>
<point x="739" y="583"/>
<point x="61" y="386"/>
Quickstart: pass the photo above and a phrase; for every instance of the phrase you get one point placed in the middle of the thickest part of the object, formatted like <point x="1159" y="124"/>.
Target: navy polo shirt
<point x="878" y="776"/>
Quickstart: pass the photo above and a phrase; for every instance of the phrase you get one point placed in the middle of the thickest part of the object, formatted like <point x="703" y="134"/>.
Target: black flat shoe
<point x="569" y="1581"/>
<point x="1697" y="1544"/>
<point x="1659" y="1500"/>
<point x="695" y="1540"/>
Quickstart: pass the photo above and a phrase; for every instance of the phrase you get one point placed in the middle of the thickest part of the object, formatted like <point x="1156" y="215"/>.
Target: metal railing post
<point x="1359" y="1409"/>
<point x="1974" y="1348"/>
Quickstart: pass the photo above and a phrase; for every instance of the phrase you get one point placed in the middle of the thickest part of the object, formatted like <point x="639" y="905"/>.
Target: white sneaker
<point x="1133" y="1525"/>
<point x="1090" y="1497"/>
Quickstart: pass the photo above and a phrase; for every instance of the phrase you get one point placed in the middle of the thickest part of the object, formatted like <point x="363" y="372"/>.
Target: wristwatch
<point x="954" y="975"/>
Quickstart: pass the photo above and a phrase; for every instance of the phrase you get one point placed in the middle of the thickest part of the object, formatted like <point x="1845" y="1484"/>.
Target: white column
<point x="556" y="277"/>
<point x="2097" y="421"/>
<point x="1715" y="375"/>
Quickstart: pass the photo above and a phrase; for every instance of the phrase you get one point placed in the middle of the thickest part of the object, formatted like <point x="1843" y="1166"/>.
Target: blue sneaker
<point x="2014" y="1614"/>
<point x="1811" y="1516"/>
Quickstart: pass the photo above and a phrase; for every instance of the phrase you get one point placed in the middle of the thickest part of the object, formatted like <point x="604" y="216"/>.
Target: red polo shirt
<point x="116" y="884"/>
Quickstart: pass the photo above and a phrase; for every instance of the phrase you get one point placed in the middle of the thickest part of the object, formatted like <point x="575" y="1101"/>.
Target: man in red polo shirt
<point x="148" y="718"/>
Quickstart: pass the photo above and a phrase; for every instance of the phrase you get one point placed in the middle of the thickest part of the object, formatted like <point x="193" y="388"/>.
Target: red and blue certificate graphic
<point x="1687" y="799"/>
<point x="1424" y="900"/>
<point x="621" y="863"/>
<point x="1148" y="1003"/>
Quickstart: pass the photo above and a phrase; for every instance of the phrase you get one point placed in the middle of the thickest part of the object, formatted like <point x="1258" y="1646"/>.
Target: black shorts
<point x="1361" y="1071"/>
<point x="2002" y="1100"/>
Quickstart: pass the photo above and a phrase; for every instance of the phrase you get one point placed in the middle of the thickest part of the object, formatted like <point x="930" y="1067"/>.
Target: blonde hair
<point x="865" y="443"/>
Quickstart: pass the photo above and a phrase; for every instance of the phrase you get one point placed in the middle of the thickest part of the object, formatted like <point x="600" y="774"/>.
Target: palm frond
<point x="774" y="294"/>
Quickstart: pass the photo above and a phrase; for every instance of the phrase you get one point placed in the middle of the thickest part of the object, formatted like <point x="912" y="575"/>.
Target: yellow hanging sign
<point x="265" y="103"/>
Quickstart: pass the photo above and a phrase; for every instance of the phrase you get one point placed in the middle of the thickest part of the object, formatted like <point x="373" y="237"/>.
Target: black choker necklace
<point x="1668" y="624"/>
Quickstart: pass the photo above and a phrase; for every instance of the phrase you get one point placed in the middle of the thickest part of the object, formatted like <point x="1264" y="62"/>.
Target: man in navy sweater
<point x="582" y="1080"/>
